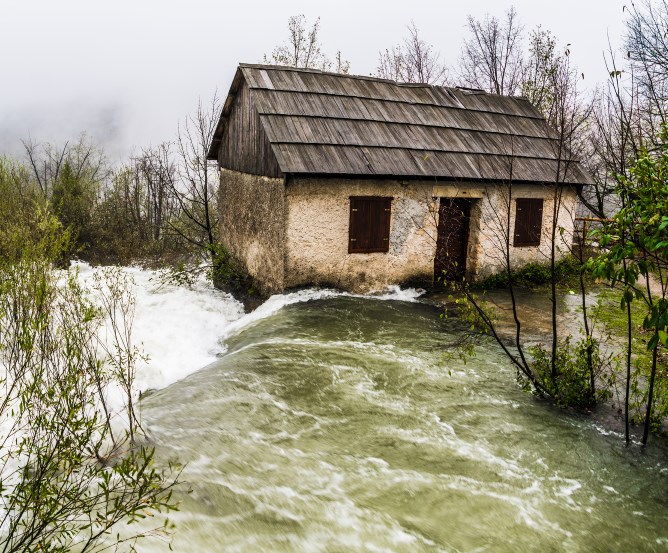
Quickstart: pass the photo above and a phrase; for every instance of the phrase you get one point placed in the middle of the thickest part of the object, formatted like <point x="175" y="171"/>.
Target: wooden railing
<point x="583" y="225"/>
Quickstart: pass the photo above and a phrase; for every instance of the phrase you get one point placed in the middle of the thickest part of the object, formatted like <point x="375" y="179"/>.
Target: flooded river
<point x="337" y="425"/>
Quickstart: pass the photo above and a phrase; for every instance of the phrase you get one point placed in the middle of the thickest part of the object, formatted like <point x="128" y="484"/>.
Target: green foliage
<point x="19" y="210"/>
<point x="116" y="233"/>
<point x="228" y="274"/>
<point x="125" y="227"/>
<point x="28" y="229"/>
<point x="542" y="70"/>
<point x="71" y="468"/>
<point x="614" y="321"/>
<point x="157" y="209"/>
<point x="474" y="310"/>
<point x="635" y="253"/>
<point x="477" y="316"/>
<point x="580" y="376"/>
<point x="640" y="377"/>
<point x="73" y="199"/>
<point x="218" y="266"/>
<point x="536" y="274"/>
<point x="572" y="384"/>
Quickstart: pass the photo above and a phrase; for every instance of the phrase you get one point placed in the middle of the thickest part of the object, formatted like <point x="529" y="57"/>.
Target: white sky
<point x="126" y="71"/>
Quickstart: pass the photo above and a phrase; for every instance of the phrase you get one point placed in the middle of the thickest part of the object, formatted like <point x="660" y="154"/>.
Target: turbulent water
<point x="334" y="423"/>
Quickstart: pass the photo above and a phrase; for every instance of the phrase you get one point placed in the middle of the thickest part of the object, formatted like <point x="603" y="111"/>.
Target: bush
<point x="579" y="369"/>
<point x="535" y="274"/>
<point x="228" y="274"/>
<point x="640" y="377"/>
<point x="221" y="268"/>
<point x="71" y="469"/>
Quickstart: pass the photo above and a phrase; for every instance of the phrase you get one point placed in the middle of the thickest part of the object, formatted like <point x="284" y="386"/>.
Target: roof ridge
<point x="291" y="68"/>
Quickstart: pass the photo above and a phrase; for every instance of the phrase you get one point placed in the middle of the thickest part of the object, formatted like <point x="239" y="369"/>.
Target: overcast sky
<point x="126" y="71"/>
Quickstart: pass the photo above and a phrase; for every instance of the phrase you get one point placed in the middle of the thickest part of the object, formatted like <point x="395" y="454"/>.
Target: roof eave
<point x="430" y="178"/>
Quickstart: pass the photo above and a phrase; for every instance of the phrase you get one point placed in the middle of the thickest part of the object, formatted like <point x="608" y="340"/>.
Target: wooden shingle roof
<point x="322" y="123"/>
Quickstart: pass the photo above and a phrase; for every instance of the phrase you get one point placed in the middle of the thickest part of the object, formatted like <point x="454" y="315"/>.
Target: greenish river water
<point x="336" y="425"/>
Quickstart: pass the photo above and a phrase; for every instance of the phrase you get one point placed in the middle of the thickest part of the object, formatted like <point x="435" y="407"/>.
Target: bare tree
<point x="86" y="161"/>
<point x="551" y="84"/>
<point x="491" y="59"/>
<point x="195" y="188"/>
<point x="647" y="50"/>
<point x="303" y="49"/>
<point x="412" y="61"/>
<point x="614" y="135"/>
<point x="154" y="173"/>
<point x="631" y="107"/>
<point x="555" y="83"/>
<point x="138" y="196"/>
<point x="539" y="69"/>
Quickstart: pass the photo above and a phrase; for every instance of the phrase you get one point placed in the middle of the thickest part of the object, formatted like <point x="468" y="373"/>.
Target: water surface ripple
<point x="337" y="425"/>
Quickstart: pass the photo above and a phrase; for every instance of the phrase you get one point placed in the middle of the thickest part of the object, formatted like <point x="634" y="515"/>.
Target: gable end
<point x="243" y="144"/>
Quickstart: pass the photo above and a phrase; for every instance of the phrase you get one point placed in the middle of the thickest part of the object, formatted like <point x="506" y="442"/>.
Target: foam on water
<point x="176" y="327"/>
<point x="183" y="329"/>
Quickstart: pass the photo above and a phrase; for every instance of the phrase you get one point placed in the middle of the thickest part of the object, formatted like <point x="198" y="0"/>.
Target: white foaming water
<point x="176" y="327"/>
<point x="396" y="293"/>
<point x="183" y="329"/>
<point x="277" y="302"/>
<point x="273" y="305"/>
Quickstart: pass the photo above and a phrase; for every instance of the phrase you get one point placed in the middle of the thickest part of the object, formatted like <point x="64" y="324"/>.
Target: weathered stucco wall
<point x="297" y="234"/>
<point x="489" y="224"/>
<point x="318" y="214"/>
<point x="252" y="224"/>
<point x="317" y="231"/>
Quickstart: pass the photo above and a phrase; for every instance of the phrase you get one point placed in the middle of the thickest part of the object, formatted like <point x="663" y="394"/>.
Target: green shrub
<point x="219" y="267"/>
<point x="228" y="274"/>
<point x="571" y="385"/>
<point x="535" y="274"/>
<point x="72" y="469"/>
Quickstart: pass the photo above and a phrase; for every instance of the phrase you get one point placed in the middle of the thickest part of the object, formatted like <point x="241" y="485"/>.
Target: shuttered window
<point x="369" y="229"/>
<point x="528" y="222"/>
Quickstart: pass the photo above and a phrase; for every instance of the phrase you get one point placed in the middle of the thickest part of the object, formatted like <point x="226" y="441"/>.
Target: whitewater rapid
<point x="183" y="329"/>
<point x="337" y="424"/>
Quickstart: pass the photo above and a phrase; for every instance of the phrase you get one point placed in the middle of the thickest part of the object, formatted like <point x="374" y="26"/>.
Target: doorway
<point x="452" y="241"/>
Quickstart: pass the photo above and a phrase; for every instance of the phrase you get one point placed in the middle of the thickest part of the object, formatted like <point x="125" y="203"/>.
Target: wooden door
<point x="452" y="241"/>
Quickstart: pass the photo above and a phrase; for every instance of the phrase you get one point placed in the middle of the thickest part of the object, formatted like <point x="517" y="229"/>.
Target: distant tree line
<point x="159" y="205"/>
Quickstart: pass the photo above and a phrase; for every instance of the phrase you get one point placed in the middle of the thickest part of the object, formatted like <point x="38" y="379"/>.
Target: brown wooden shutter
<point x="369" y="229"/>
<point x="528" y="221"/>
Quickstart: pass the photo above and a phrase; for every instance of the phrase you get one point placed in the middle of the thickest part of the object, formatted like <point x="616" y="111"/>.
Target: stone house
<point x="358" y="182"/>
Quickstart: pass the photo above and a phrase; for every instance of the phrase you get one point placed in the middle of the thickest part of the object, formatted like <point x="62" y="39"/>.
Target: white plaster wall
<point x="318" y="215"/>
<point x="297" y="235"/>
<point x="490" y="223"/>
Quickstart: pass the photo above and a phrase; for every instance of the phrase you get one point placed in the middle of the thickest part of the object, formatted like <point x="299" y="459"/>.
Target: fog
<point x="126" y="72"/>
